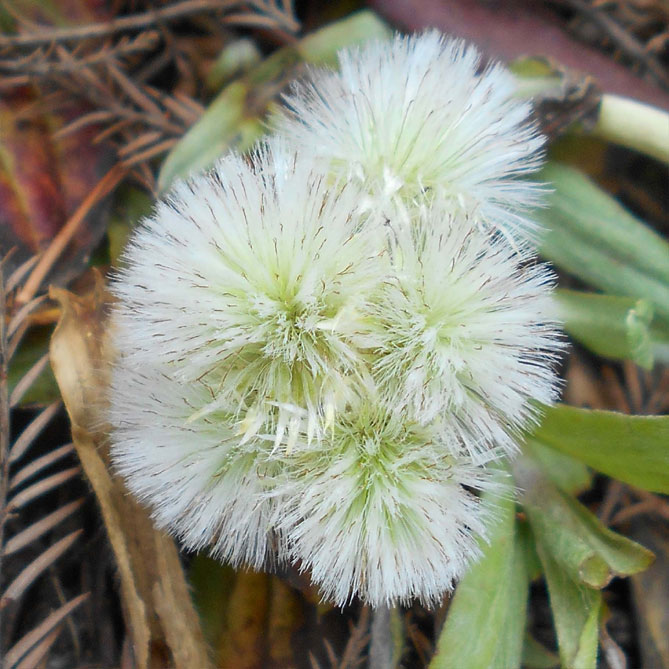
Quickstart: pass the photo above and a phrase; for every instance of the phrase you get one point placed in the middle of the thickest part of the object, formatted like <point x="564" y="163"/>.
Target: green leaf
<point x="576" y="540"/>
<point x="576" y="610"/>
<point x="659" y="334"/>
<point x="236" y="57"/>
<point x="610" y="326"/>
<point x="632" y="449"/>
<point x="593" y="213"/>
<point x="222" y="126"/>
<point x="486" y="619"/>
<point x="633" y="124"/>
<point x="234" y="118"/>
<point x="537" y="656"/>
<point x="131" y="205"/>
<point x="591" y="236"/>
<point x="567" y="558"/>
<point x="566" y="472"/>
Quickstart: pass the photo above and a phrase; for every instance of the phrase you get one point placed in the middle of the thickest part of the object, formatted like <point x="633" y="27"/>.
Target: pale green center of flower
<point x="293" y="333"/>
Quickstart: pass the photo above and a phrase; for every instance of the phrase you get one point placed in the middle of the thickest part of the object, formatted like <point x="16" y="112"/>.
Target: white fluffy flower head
<point x="463" y="331"/>
<point x="417" y="117"/>
<point x="322" y="346"/>
<point x="200" y="483"/>
<point x="249" y="281"/>
<point x="382" y="511"/>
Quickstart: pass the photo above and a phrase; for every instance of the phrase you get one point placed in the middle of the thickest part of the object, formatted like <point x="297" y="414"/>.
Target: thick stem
<point x="635" y="125"/>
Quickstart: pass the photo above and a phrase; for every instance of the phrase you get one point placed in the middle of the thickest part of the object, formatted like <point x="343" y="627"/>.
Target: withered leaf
<point x="159" y="613"/>
<point x="43" y="180"/>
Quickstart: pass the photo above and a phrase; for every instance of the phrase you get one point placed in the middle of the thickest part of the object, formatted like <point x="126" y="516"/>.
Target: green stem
<point x="635" y="125"/>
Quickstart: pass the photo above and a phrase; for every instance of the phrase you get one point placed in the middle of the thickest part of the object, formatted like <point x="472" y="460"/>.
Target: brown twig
<point x="650" y="505"/>
<point x="621" y="38"/>
<point x="39" y="63"/>
<point x="614" y="494"/>
<point x="67" y="232"/>
<point x="133" y="22"/>
<point x="357" y="641"/>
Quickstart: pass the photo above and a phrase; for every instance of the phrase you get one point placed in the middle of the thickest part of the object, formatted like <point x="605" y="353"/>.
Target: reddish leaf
<point x="43" y="180"/>
<point x="515" y="28"/>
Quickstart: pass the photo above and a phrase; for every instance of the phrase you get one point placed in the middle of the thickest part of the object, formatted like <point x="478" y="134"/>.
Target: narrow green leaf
<point x="583" y="258"/>
<point x="486" y="619"/>
<point x="320" y="47"/>
<point x="222" y="126"/>
<point x="236" y="57"/>
<point x="611" y="326"/>
<point x="579" y="205"/>
<point x="659" y="334"/>
<point x="576" y="610"/>
<point x="234" y="118"/>
<point x="568" y="473"/>
<point x="630" y="448"/>
<point x="509" y="649"/>
<point x="577" y="541"/>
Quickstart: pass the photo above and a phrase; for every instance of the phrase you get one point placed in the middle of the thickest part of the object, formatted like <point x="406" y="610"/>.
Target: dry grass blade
<point x="151" y="152"/>
<point x="139" y="143"/>
<point x="133" y="91"/>
<point x="38" y="464"/>
<point x="30" y="640"/>
<point x="157" y="16"/>
<point x="22" y="313"/>
<point x="36" y="530"/>
<point x="24" y="385"/>
<point x="39" y="63"/>
<point x="42" y="487"/>
<point x="67" y="232"/>
<point x="182" y="106"/>
<point x="622" y="38"/>
<point x="18" y="274"/>
<point x="36" y="568"/>
<point x="357" y="641"/>
<point x="28" y="436"/>
<point x="14" y="342"/>
<point x="38" y="653"/>
<point x="33" y="647"/>
<point x="92" y="118"/>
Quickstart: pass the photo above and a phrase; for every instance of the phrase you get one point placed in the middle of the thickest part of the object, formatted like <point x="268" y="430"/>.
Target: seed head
<point x="417" y="117"/>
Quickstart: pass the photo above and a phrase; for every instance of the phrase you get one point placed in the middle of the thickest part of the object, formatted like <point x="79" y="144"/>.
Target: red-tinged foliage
<point x="43" y="179"/>
<point x="516" y="28"/>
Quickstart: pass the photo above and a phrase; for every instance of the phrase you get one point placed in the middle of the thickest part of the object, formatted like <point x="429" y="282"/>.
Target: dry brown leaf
<point x="159" y="613"/>
<point x="575" y="99"/>
<point x="24" y="647"/>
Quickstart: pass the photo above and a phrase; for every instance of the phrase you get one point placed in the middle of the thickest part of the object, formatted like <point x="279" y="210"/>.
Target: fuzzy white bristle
<point x="417" y="117"/>
<point x="462" y="332"/>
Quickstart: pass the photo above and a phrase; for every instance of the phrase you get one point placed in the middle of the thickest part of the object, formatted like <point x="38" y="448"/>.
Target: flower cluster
<point x="323" y="344"/>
